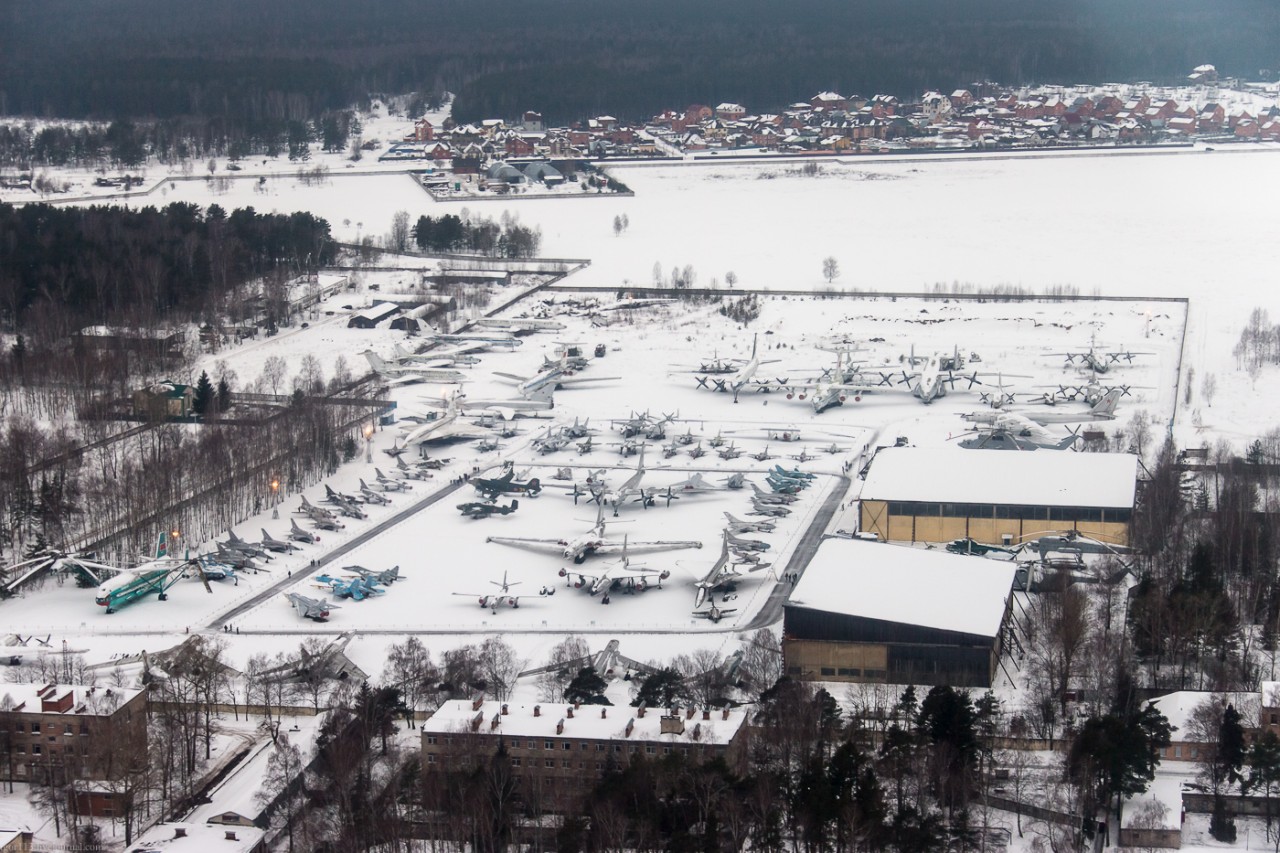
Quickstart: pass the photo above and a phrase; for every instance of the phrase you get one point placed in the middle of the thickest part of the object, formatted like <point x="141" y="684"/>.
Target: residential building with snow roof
<point x="1189" y="740"/>
<point x="558" y="751"/>
<point x="873" y="613"/>
<point x="995" y="496"/>
<point x="66" y="732"/>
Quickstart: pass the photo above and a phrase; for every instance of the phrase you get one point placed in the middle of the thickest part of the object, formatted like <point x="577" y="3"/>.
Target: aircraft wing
<point x="545" y="546"/>
<point x="577" y="380"/>
<point x="435" y="431"/>
<point x="605" y="548"/>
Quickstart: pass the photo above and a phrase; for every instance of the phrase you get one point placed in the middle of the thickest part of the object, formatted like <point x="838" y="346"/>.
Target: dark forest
<point x="240" y="62"/>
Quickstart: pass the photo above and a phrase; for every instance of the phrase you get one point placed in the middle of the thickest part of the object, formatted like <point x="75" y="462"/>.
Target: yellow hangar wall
<point x="915" y="521"/>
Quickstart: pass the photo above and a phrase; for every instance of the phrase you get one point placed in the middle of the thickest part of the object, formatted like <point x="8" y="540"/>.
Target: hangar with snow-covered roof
<point x="871" y="612"/>
<point x="997" y="496"/>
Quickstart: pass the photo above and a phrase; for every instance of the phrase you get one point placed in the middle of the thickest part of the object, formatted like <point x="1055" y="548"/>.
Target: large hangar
<point x="870" y="612"/>
<point x="993" y="496"/>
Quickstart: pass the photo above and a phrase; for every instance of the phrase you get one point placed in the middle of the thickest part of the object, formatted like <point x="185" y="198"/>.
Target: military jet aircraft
<point x="297" y="534"/>
<point x="314" y="609"/>
<point x="715" y="614"/>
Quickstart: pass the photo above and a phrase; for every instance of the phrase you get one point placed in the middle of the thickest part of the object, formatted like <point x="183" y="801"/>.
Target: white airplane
<point x="297" y="534"/>
<point x="388" y="484"/>
<point x="1100" y="361"/>
<point x="619" y="574"/>
<point x="524" y="324"/>
<point x="929" y="378"/>
<point x="372" y="496"/>
<point x="552" y="379"/>
<point x="737" y="525"/>
<point x="723" y="573"/>
<point x="595" y="541"/>
<point x="715" y="614"/>
<point x="739" y="544"/>
<point x="311" y="608"/>
<point x="435" y="358"/>
<point x="401" y="374"/>
<point x="1103" y="410"/>
<point x="494" y="600"/>
<point x="446" y="427"/>
<point x="467" y="339"/>
<point x="747" y="372"/>
<point x="280" y="546"/>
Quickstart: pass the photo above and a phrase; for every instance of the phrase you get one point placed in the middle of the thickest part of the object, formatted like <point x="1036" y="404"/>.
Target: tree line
<point x="62" y="268"/>
<point x="241" y="63"/>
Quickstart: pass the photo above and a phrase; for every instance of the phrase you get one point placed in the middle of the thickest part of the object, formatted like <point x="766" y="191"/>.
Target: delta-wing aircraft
<point x="280" y="546"/>
<point x="593" y="542"/>
<point x="396" y="374"/>
<point x="386" y="576"/>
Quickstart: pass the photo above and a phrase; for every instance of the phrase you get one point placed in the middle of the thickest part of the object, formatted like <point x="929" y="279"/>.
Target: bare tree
<point x="409" y="668"/>
<point x="761" y="660"/>
<point x="499" y="665"/>
<point x="398" y="239"/>
<point x="284" y="766"/>
<point x="273" y="372"/>
<point x="830" y="268"/>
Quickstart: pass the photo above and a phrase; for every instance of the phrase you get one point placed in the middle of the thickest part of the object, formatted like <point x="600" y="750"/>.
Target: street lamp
<point x="368" y="443"/>
<point x="275" y="498"/>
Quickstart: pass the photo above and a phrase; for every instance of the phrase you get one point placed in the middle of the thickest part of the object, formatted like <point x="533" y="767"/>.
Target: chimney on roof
<point x="477" y="720"/>
<point x="179" y="832"/>
<point x="537" y="710"/>
<point x="493" y="724"/>
<point x="577" y="704"/>
<point x="689" y="712"/>
<point x="724" y="714"/>
<point x="477" y="702"/>
<point x="706" y="713"/>
<point x="604" y="713"/>
<point x="697" y="732"/>
<point x="569" y="712"/>
<point x="631" y="724"/>
<point x="504" y="709"/>
<point x="560" y="726"/>
<point x="640" y="711"/>
<point x="671" y="724"/>
<point x="231" y="835"/>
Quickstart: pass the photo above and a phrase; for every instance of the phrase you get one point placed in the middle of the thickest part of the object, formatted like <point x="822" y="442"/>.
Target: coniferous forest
<point x="243" y="67"/>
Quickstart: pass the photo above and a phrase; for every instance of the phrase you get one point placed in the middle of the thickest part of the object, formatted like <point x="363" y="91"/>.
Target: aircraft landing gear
<point x="605" y="600"/>
<point x="110" y="610"/>
<point x="164" y="596"/>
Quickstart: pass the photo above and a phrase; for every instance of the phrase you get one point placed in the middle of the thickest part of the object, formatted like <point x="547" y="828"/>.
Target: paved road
<point x="339" y="552"/>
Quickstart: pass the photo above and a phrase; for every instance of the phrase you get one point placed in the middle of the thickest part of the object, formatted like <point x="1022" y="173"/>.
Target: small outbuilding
<point x="870" y="612"/>
<point x="372" y="316"/>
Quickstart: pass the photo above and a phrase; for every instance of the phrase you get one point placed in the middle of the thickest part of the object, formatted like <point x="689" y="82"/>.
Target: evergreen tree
<point x="587" y="687"/>
<point x="224" y="395"/>
<point x="204" y="399"/>
<point x="662" y="689"/>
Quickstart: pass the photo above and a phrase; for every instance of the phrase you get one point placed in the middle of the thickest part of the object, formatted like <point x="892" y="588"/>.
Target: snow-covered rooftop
<point x="596" y="722"/>
<point x="908" y="585"/>
<point x="28" y="698"/>
<point x="1048" y="478"/>
<point x="1178" y="708"/>
<point x="198" y="838"/>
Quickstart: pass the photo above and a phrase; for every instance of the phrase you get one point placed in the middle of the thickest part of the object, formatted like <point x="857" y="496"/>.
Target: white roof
<point x="100" y="701"/>
<point x="733" y="108"/>
<point x="1179" y="706"/>
<point x="456" y="716"/>
<point x="1046" y="478"/>
<point x="199" y="838"/>
<point x="1163" y="790"/>
<point x="874" y="580"/>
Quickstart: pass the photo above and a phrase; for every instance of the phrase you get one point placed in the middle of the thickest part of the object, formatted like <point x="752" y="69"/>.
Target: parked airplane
<point x="446" y="427"/>
<point x="237" y="545"/>
<point x="494" y="487"/>
<point x="357" y="588"/>
<point x="386" y="576"/>
<point x="783" y="486"/>
<point x="761" y="496"/>
<point x="310" y="608"/>
<point x="746" y="373"/>
<point x="1103" y="410"/>
<point x="739" y="544"/>
<point x="481" y="509"/>
<point x="717" y="439"/>
<point x="767" y="509"/>
<point x="618" y="574"/>
<point x="595" y="541"/>
<point x="934" y="376"/>
<point x="504" y="597"/>
<point x="521" y="324"/>
<point x="401" y="374"/>
<point x="435" y="358"/>
<point x="729" y="452"/>
<point x="793" y="474"/>
<point x="297" y="534"/>
<point x="469" y="339"/>
<point x="696" y="452"/>
<point x="763" y="455"/>
<point x="724" y="574"/>
<point x="715" y="614"/>
<point x="737" y="525"/>
<point x="372" y="495"/>
<point x="156" y="576"/>
<point x="321" y="517"/>
<point x="1100" y="361"/>
<point x="280" y="546"/>
<point x="549" y="380"/>
<point x="387" y="484"/>
<point x="1034" y="437"/>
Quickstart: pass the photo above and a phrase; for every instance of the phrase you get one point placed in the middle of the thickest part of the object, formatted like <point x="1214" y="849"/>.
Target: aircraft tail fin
<point x="1106" y="407"/>
<point x="515" y="504"/>
<point x="400" y="351"/>
<point x="1067" y="442"/>
<point x="162" y="546"/>
<point x="375" y="361"/>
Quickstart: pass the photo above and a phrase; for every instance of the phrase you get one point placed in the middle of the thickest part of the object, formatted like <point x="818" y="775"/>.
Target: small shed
<point x="164" y="400"/>
<point x="372" y="316"/>
<point x="1153" y="819"/>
